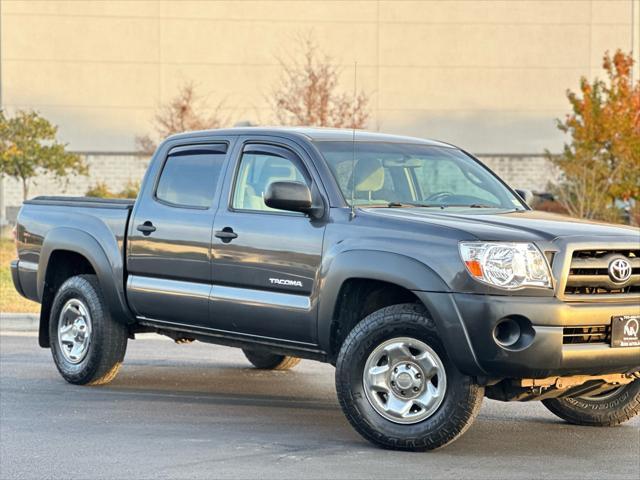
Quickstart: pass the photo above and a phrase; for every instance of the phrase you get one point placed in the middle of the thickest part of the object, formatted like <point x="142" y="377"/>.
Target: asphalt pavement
<point x="200" y="411"/>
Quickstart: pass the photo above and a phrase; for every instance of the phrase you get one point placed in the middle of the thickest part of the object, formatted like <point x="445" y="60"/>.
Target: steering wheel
<point x="439" y="196"/>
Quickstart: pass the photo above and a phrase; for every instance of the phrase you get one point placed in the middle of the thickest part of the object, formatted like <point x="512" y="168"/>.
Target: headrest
<point x="369" y="175"/>
<point x="278" y="172"/>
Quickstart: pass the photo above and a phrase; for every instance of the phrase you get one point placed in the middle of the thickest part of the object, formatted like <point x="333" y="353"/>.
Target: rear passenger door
<point x="265" y="261"/>
<point x="169" y="260"/>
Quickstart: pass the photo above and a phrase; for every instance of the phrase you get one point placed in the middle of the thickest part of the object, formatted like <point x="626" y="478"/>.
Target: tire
<point x="270" y="361"/>
<point x="450" y="412"/>
<point x="606" y="410"/>
<point x="79" y="303"/>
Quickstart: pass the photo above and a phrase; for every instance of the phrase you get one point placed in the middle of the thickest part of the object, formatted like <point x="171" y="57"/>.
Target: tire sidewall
<point x="618" y="401"/>
<point x="82" y="289"/>
<point x="608" y="412"/>
<point x="349" y="373"/>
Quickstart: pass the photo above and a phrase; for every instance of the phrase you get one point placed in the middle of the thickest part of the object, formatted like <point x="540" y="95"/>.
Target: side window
<point x="189" y="178"/>
<point x="257" y="171"/>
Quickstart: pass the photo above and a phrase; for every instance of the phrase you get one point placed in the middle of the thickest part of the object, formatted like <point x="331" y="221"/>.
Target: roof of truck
<point x="316" y="134"/>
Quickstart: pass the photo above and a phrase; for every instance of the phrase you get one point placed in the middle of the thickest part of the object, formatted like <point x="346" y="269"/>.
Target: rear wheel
<point x="604" y="410"/>
<point x="270" y="361"/>
<point x="397" y="386"/>
<point x="87" y="345"/>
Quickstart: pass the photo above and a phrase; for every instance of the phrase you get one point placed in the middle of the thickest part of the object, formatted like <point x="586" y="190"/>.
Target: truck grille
<point x="589" y="273"/>
<point x="586" y="334"/>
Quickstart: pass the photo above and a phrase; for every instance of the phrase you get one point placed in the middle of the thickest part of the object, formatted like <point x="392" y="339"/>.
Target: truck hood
<point x="500" y="225"/>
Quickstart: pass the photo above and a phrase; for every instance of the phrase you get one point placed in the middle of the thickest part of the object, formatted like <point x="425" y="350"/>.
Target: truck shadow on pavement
<point x="174" y="412"/>
<point x="306" y="401"/>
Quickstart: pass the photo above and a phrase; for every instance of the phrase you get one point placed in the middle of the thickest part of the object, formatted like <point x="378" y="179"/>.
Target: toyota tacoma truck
<point x="406" y="263"/>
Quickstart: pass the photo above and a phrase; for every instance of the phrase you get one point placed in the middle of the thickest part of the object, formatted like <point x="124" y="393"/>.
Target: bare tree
<point x="186" y="111"/>
<point x="307" y="93"/>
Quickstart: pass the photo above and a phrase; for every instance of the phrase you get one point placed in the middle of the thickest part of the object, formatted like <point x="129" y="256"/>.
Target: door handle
<point x="226" y="234"/>
<point x="146" y="228"/>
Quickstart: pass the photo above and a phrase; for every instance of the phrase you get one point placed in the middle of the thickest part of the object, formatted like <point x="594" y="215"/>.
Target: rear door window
<point x="190" y="176"/>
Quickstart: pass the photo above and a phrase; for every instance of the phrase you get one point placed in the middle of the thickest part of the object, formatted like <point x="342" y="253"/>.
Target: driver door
<point x="265" y="261"/>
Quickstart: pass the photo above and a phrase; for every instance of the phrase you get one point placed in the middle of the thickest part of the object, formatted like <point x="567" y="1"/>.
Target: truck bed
<point x="56" y="223"/>
<point x="90" y="202"/>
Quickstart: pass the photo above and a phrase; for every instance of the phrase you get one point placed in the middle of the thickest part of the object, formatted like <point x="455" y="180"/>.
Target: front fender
<point x="108" y="266"/>
<point x="379" y="265"/>
<point x="405" y="272"/>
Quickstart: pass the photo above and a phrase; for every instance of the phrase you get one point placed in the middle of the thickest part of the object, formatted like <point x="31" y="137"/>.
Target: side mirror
<point x="291" y="196"/>
<point x="526" y="195"/>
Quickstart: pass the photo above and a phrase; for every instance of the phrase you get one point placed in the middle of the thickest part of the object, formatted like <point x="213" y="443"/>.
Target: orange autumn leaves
<point x="602" y="161"/>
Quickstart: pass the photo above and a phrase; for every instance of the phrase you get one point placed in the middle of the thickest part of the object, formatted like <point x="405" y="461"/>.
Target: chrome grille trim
<point x="588" y="275"/>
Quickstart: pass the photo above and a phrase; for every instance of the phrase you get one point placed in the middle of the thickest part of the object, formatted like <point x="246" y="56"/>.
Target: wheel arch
<point x="67" y="252"/>
<point x="358" y="282"/>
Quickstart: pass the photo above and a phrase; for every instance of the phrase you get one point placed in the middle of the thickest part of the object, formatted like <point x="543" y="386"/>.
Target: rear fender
<point x="108" y="268"/>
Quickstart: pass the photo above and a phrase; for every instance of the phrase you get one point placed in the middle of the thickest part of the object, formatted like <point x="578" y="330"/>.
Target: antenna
<point x="353" y="140"/>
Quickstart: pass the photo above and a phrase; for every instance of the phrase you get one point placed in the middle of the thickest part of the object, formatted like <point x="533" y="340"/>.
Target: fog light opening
<point x="507" y="333"/>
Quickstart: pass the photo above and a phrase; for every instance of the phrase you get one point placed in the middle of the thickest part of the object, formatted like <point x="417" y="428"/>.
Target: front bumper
<point x="467" y="322"/>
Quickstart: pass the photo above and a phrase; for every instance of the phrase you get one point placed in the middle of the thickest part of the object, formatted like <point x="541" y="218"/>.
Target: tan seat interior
<point x="369" y="180"/>
<point x="252" y="195"/>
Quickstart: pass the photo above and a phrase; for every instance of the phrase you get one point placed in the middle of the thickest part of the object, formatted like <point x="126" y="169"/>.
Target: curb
<point x="19" y="322"/>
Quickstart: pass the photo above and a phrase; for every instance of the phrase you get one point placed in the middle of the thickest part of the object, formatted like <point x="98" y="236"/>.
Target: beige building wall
<point x="487" y="75"/>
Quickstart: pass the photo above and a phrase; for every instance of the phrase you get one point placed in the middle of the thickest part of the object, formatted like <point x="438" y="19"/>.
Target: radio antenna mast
<point x="353" y="140"/>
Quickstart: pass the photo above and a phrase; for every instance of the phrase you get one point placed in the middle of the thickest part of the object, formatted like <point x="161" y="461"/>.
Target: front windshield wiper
<point x="409" y="205"/>
<point x="427" y="205"/>
<point x="464" y="205"/>
<point x="438" y="205"/>
<point x="474" y="205"/>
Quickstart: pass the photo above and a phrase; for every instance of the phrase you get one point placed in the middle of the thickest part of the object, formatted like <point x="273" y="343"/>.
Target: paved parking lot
<point x="199" y="411"/>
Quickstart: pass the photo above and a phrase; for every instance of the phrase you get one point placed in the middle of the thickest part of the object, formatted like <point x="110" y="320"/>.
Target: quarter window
<point x="189" y="178"/>
<point x="257" y="171"/>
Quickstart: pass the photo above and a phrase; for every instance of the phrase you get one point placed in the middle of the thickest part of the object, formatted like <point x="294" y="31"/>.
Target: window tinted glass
<point x="445" y="175"/>
<point x="256" y="173"/>
<point x="190" y="178"/>
<point x="413" y="174"/>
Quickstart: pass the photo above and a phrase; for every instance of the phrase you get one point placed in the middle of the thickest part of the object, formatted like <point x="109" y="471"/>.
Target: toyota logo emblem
<point x="620" y="270"/>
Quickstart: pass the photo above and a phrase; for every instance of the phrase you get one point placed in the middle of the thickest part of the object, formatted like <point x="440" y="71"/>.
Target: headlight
<point x="506" y="265"/>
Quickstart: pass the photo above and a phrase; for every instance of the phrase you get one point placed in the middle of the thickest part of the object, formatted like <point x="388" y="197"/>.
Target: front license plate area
<point x="625" y="331"/>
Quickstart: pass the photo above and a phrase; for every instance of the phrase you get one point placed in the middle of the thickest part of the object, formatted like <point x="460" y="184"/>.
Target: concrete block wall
<point x="532" y="172"/>
<point x="113" y="169"/>
<point x="529" y="172"/>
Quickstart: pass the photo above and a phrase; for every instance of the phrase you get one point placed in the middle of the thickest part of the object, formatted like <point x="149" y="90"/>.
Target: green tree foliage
<point x="101" y="190"/>
<point x="602" y="161"/>
<point x="28" y="147"/>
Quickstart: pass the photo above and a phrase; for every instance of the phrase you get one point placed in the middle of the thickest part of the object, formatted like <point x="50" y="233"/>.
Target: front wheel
<point x="88" y="346"/>
<point x="397" y="386"/>
<point x="604" y="410"/>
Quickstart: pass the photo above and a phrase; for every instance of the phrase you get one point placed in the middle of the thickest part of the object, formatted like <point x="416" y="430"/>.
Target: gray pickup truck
<point x="405" y="263"/>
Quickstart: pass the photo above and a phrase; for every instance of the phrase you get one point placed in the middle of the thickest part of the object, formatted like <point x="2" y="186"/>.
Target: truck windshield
<point x="398" y="174"/>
